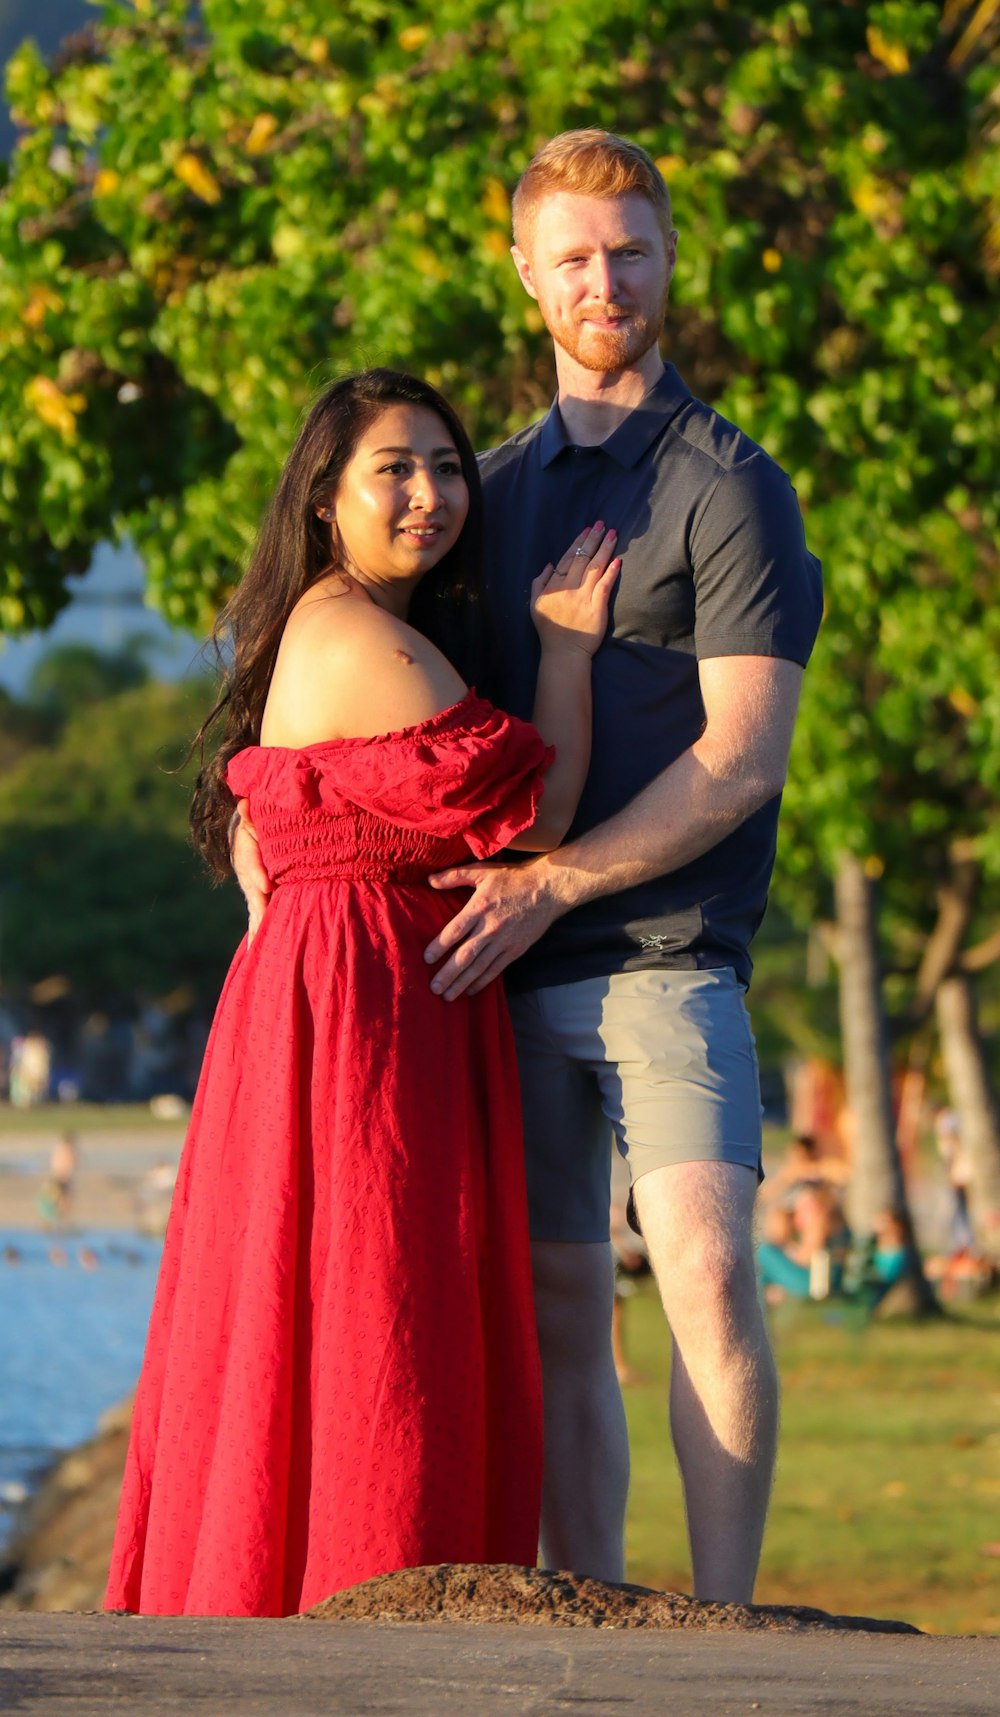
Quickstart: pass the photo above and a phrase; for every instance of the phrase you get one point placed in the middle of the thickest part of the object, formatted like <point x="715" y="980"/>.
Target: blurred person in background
<point x="30" y="1069"/>
<point x="958" y="1168"/>
<point x="55" y="1200"/>
<point x="805" y="1164"/>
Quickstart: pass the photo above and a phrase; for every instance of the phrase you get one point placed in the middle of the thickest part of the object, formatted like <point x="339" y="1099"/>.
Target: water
<point x="71" y="1344"/>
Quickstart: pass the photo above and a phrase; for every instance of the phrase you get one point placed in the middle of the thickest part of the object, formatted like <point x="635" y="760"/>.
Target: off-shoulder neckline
<point x="428" y="724"/>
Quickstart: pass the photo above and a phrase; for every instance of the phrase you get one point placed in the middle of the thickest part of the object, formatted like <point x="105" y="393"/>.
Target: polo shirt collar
<point x="629" y="441"/>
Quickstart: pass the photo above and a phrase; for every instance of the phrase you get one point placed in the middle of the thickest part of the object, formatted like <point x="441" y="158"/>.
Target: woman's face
<point x="402" y="499"/>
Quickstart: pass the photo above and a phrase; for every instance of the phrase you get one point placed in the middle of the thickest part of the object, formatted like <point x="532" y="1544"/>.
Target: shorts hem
<point x="748" y="1158"/>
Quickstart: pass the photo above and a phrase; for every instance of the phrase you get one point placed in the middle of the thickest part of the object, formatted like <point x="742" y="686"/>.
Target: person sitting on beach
<point x="804" y="1246"/>
<point x="806" y="1164"/>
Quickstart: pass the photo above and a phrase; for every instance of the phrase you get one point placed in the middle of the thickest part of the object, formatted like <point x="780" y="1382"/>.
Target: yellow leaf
<point x="287" y="241"/>
<point x="105" y="182"/>
<point x="336" y="93"/>
<point x="413" y="37"/>
<point x="55" y="408"/>
<point x="41" y="299"/>
<point x="875" y="198"/>
<point x="318" y="51"/>
<point x="963" y="702"/>
<point x="874" y="867"/>
<point x="261" y="131"/>
<point x="533" y="319"/>
<point x="892" y="55"/>
<point x="495" y="202"/>
<point x="429" y="263"/>
<point x="670" y="164"/>
<point x="772" y="260"/>
<point x="496" y="244"/>
<point x="12" y="613"/>
<point x="192" y="172"/>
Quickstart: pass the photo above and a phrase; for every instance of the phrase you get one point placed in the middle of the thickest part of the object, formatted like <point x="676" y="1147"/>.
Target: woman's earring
<point x="325" y="513"/>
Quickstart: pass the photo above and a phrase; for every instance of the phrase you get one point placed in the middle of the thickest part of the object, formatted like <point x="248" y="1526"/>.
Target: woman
<point x="341" y="1376"/>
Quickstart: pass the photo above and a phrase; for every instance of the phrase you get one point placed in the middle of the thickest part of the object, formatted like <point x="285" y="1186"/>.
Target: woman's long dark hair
<point x="293" y="551"/>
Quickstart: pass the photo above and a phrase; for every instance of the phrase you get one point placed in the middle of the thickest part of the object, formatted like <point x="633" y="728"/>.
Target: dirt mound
<point x="455" y="1592"/>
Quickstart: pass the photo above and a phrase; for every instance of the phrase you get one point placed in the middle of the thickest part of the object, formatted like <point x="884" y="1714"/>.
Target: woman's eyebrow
<point x="436" y="452"/>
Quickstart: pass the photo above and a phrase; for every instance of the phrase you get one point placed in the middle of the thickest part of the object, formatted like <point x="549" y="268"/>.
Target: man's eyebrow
<point x="629" y="243"/>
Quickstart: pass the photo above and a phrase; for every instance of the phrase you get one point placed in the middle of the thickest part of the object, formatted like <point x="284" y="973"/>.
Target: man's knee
<point x="697" y="1220"/>
<point x="574" y="1296"/>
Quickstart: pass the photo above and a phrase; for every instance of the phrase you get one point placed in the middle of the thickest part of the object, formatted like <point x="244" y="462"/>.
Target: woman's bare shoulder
<point x="348" y="669"/>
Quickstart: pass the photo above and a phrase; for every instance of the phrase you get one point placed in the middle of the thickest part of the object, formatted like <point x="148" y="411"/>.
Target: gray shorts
<point x="662" y="1061"/>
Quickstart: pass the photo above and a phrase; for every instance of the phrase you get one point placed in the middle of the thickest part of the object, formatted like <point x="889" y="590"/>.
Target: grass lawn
<point x="887" y="1498"/>
<point x="53" y="1118"/>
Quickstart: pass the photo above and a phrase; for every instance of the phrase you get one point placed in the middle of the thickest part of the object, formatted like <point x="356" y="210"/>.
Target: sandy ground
<point x="109" y="1190"/>
<point x="113" y="1163"/>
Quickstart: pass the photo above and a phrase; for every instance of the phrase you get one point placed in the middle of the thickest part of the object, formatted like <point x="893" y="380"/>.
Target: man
<point x="631" y="940"/>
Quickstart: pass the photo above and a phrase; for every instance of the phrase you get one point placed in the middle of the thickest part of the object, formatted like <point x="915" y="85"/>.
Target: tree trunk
<point x="876" y="1180"/>
<point x="975" y="1103"/>
<point x="877" y="1177"/>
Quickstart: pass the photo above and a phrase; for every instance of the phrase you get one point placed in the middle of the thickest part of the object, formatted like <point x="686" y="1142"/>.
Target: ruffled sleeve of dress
<point x="471" y="770"/>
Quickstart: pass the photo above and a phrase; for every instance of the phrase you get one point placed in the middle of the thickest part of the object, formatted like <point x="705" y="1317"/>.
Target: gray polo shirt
<point x="714" y="564"/>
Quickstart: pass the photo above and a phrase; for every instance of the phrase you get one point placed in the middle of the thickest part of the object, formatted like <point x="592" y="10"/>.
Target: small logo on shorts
<point x="655" y="943"/>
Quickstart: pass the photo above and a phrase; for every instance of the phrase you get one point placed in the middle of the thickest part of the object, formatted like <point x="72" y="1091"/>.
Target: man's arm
<point x="734" y="768"/>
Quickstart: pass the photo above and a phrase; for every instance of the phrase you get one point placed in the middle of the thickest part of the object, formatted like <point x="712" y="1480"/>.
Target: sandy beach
<point x="110" y="1187"/>
<point x="114" y="1160"/>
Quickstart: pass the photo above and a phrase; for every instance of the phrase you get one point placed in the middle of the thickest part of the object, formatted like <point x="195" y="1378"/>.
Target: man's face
<point x="600" y="269"/>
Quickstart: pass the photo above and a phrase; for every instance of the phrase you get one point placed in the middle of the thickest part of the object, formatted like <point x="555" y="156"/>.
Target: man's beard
<point x="605" y="350"/>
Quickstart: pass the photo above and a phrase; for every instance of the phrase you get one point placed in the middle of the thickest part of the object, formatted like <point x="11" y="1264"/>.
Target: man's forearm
<point x="686" y="810"/>
<point x="736" y="766"/>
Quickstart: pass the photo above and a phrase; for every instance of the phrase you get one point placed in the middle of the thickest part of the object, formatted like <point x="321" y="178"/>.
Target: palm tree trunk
<point x="974" y="1100"/>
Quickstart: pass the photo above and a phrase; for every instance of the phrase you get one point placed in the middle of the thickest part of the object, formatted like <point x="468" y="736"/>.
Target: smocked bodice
<point x="319" y="844"/>
<point x="396" y="807"/>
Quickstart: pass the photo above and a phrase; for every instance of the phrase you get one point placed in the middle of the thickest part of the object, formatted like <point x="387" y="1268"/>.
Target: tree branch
<point x="984" y="953"/>
<point x="956" y="904"/>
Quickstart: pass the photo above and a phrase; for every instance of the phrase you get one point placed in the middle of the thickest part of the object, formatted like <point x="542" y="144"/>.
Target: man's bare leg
<point x="696" y="1220"/>
<point x="585" y="1486"/>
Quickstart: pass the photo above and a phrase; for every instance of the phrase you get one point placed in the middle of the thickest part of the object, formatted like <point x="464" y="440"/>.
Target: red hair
<point x="591" y="163"/>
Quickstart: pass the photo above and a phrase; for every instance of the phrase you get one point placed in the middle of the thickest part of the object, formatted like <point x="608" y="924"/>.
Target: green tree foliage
<point x="211" y="210"/>
<point x="208" y="212"/>
<point x="48" y="25"/>
<point x="72" y="675"/>
<point x="20" y="730"/>
<point x="98" y="882"/>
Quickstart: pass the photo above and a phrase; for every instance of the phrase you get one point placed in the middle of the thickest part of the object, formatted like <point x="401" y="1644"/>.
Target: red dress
<point x="341" y="1374"/>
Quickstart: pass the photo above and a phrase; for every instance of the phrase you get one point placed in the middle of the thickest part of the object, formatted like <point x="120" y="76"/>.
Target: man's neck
<point x="592" y="403"/>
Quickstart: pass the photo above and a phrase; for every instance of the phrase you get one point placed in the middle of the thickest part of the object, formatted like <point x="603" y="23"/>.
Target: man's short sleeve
<point x="758" y="590"/>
